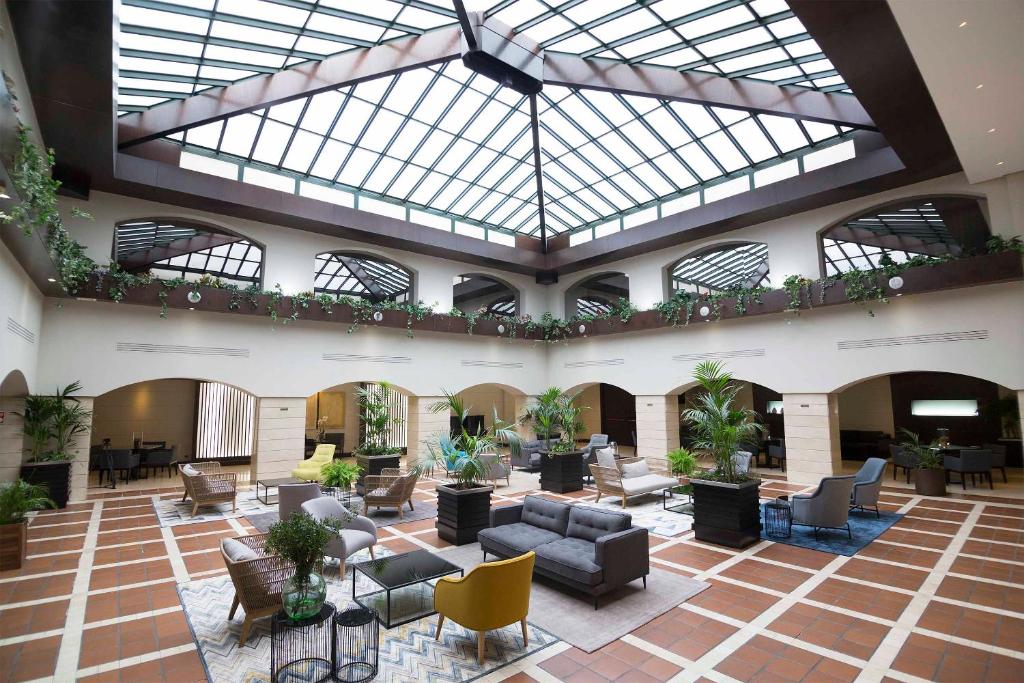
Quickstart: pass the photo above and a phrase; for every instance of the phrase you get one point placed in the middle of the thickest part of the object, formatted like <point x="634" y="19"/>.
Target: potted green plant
<point x="338" y="477"/>
<point x="562" y="461"/>
<point x="464" y="502"/>
<point x="726" y="507"/>
<point x="301" y="540"/>
<point x="544" y="414"/>
<point x="52" y="424"/>
<point x="682" y="463"/>
<point x="16" y="499"/>
<point x="375" y="454"/>
<point x="929" y="474"/>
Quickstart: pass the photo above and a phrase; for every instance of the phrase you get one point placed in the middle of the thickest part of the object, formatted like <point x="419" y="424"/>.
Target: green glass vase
<point x="303" y="596"/>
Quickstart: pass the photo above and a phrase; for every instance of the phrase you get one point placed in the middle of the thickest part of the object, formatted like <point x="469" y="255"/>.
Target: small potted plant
<point x="929" y="474"/>
<point x="726" y="506"/>
<point x="300" y="540"/>
<point x="338" y="477"/>
<point x="464" y="503"/>
<point x="16" y="499"/>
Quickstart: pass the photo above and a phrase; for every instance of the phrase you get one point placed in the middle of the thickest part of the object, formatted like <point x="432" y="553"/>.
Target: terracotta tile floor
<point x="940" y="596"/>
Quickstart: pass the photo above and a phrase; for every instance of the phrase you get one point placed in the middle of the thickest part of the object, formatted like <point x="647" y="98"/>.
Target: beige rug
<point x="569" y="615"/>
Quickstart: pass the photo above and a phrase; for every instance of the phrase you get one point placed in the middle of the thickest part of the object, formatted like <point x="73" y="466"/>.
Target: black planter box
<point x="462" y="513"/>
<point x="726" y="514"/>
<point x="374" y="464"/>
<point x="562" y="473"/>
<point x="55" y="476"/>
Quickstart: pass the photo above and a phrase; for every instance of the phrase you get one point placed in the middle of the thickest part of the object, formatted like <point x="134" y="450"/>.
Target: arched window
<point x="720" y="268"/>
<point x="473" y="293"/>
<point x="366" y="277"/>
<point x="170" y="248"/>
<point x="593" y="305"/>
<point x="596" y="295"/>
<point x="934" y="226"/>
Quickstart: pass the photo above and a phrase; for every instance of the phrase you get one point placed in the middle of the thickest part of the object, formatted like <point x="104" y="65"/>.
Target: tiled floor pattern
<point x="940" y="596"/>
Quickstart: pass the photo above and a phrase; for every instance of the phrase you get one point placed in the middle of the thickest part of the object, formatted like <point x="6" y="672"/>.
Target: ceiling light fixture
<point x="991" y="130"/>
<point x="378" y="316"/>
<point x="896" y="282"/>
<point x="501" y="329"/>
<point x="979" y="86"/>
<point x="963" y="23"/>
<point x="1000" y="163"/>
<point x="194" y="297"/>
<point x="50" y="279"/>
<point x="704" y="311"/>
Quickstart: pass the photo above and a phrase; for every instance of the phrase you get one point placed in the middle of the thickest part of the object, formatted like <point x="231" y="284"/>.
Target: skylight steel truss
<point x="759" y="39"/>
<point x="900" y="233"/>
<point x="719" y="269"/>
<point x="171" y="50"/>
<point x="593" y="305"/>
<point x="355" y="275"/>
<point x="182" y="250"/>
<point x="504" y="306"/>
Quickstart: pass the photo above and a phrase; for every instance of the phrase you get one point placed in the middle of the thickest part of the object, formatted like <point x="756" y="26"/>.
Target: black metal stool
<point x="302" y="650"/>
<point x="356" y="634"/>
<point x="778" y="519"/>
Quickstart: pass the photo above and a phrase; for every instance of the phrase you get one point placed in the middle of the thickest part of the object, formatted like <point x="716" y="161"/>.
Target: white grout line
<point x="132" y="617"/>
<point x="132" y="661"/>
<point x="38" y="635"/>
<point x="71" y="642"/>
<point x="177" y="561"/>
<point x="528" y="664"/>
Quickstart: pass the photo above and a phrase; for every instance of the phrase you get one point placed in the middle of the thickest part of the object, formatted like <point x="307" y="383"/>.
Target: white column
<point x="425" y="426"/>
<point x="657" y="427"/>
<point x="280" y="437"/>
<point x="12" y="441"/>
<point x="812" y="437"/>
<point x="520" y="405"/>
<point x="80" y="465"/>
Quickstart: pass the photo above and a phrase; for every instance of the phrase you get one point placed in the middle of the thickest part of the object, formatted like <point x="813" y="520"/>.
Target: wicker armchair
<point x="392" y="488"/>
<point x="210" y="487"/>
<point x="609" y="480"/>
<point x="257" y="582"/>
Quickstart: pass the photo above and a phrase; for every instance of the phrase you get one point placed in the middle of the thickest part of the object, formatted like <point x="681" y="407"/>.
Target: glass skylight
<point x="171" y="49"/>
<point x="759" y="39"/>
<point x="481" y="294"/>
<point x="719" y="269"/>
<point x="360" y="276"/>
<point x="170" y="250"/>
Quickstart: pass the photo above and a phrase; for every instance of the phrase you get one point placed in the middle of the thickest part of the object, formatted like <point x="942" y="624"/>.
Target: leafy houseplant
<point x="682" y="462"/>
<point x="17" y="498"/>
<point x="544" y="414"/>
<point x="562" y="469"/>
<point x="464" y="502"/>
<point x="339" y="474"/>
<point x="726" y="508"/>
<point x="929" y="475"/>
<point x="52" y="424"/>
<point x="300" y="540"/>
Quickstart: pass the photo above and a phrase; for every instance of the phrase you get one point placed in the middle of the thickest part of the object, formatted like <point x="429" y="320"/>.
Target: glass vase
<point x="302" y="596"/>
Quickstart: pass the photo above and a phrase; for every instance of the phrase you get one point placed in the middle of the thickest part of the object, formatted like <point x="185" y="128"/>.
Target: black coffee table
<point x="268" y="484"/>
<point x="406" y="594"/>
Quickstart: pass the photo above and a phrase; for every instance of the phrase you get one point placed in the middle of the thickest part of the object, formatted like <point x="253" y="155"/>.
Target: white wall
<point x="867" y="406"/>
<point x="21" y="312"/>
<point x="162" y="410"/>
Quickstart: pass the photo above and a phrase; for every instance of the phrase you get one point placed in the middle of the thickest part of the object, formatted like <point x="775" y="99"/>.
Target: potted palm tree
<point x="929" y="475"/>
<point x="464" y="502"/>
<point x="375" y="453"/>
<point x="544" y="415"/>
<point x="17" y="498"/>
<point x="52" y="424"/>
<point x="562" y="461"/>
<point x="726" y="507"/>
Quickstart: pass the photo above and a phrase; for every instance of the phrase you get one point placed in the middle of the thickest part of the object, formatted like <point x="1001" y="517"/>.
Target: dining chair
<point x="121" y="460"/>
<point x="998" y="457"/>
<point x="974" y="462"/>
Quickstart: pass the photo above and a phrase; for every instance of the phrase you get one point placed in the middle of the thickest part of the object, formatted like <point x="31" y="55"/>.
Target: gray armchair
<point x="359" y="532"/>
<point x="529" y="455"/>
<point x="826" y="508"/>
<point x="975" y="462"/>
<point x="998" y="457"/>
<point x="741" y="460"/>
<point x="776" y="454"/>
<point x="290" y="497"/>
<point x="867" y="484"/>
<point x="902" y="458"/>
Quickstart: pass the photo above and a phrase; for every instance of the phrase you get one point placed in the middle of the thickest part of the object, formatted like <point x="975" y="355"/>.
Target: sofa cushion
<point x="238" y="551"/>
<point x="631" y="470"/>
<point x="647" y="484"/>
<point x="572" y="558"/>
<point x="606" y="457"/>
<point x="190" y="471"/>
<point x="515" y="539"/>
<point x="546" y="514"/>
<point x="590" y="523"/>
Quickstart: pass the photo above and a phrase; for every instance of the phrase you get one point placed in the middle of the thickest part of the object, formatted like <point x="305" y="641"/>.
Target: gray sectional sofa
<point x="591" y="550"/>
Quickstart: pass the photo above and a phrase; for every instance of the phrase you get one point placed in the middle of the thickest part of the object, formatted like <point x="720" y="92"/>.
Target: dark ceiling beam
<point x="701" y="88"/>
<point x="376" y="293"/>
<point x="255" y="93"/>
<point x="186" y="245"/>
<point x="476" y="288"/>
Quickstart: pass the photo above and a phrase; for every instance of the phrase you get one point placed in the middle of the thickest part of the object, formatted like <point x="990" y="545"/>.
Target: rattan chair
<point x="392" y="488"/>
<point x="257" y="582"/>
<point x="210" y="487"/>
<point x="609" y="480"/>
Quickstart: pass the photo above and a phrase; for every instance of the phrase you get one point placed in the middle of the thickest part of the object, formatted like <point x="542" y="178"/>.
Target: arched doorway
<point x="610" y="410"/>
<point x="13" y="390"/>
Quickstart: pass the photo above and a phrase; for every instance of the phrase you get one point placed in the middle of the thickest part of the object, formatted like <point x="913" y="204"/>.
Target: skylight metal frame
<point x="717" y="269"/>
<point x="341" y="273"/>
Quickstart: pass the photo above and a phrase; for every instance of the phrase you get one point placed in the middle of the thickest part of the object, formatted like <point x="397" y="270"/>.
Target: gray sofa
<point x="591" y="550"/>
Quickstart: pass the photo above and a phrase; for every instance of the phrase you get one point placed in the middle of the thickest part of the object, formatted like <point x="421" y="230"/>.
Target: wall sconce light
<point x="194" y="297"/>
<point x="705" y="311"/>
<point x="583" y="329"/>
<point x="896" y="282"/>
<point x="378" y="316"/>
<point x="501" y="329"/>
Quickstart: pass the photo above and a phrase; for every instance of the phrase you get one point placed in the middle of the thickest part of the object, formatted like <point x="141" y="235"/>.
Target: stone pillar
<point x="657" y="427"/>
<point x="280" y="437"/>
<point x="80" y="465"/>
<point x="812" y="437"/>
<point x="520" y="405"/>
<point x="12" y="441"/>
<point x="425" y="426"/>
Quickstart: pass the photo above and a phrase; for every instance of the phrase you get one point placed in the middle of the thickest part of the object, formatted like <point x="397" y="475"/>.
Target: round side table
<point x="302" y="650"/>
<point x="356" y="635"/>
<point x="778" y="519"/>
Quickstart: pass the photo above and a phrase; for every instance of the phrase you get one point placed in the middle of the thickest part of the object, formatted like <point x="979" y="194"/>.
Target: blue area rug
<point x="864" y="526"/>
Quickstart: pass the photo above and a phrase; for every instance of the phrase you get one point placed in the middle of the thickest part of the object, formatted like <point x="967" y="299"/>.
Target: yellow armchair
<point x="310" y="469"/>
<point x="492" y="595"/>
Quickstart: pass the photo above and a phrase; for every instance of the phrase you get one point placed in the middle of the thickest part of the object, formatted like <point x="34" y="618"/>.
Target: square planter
<point x="375" y="464"/>
<point x="930" y="482"/>
<point x="726" y="514"/>
<point x="55" y="476"/>
<point x="561" y="473"/>
<point x="462" y="513"/>
<point x="13" y="545"/>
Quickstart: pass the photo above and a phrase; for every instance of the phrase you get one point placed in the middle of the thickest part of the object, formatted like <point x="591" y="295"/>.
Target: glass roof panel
<point x="719" y="269"/>
<point x="360" y="276"/>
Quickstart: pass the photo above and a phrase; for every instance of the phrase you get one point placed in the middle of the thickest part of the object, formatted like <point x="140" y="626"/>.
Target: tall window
<point x="361" y="276"/>
<point x="172" y="248"/>
<point x="398" y="407"/>
<point x="721" y="268"/>
<point x="226" y="422"/>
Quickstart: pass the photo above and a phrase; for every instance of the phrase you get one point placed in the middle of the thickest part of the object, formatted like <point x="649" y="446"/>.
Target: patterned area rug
<point x="407" y="653"/>
<point x="648" y="512"/>
<point x="864" y="527"/>
<point x="383" y="517"/>
<point x="172" y="511"/>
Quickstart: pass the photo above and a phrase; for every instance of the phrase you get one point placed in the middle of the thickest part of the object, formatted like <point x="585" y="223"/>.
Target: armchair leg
<point x="195" y="509"/>
<point x="440" y="623"/>
<point x="598" y="500"/>
<point x="234" y="607"/>
<point x="371" y="553"/>
<point x="481" y="645"/>
<point x="645" y="582"/>
<point x="410" y="504"/>
<point x="526" y="638"/>
<point x="243" y="637"/>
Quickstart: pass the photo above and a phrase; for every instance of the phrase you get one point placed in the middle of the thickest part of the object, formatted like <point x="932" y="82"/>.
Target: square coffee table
<point x="268" y="484"/>
<point x="406" y="594"/>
